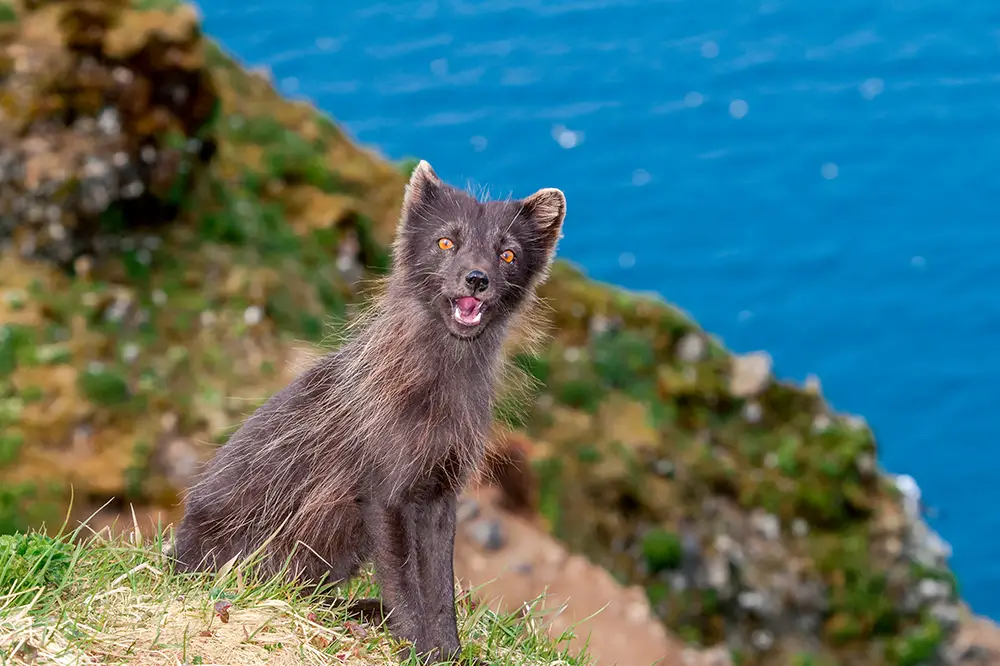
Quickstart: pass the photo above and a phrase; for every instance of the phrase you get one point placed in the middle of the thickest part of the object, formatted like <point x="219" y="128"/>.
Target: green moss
<point x="222" y="224"/>
<point x="535" y="366"/>
<point x="10" y="409"/>
<point x="18" y="507"/>
<point x="691" y="635"/>
<point x="261" y="130"/>
<point x="625" y="361"/>
<point x="588" y="453"/>
<point x="788" y="453"/>
<point x="549" y="474"/>
<point x="16" y="342"/>
<point x="32" y="560"/>
<point x="7" y="12"/>
<point x="657" y="593"/>
<point x="580" y="393"/>
<point x="10" y="446"/>
<point x="53" y="354"/>
<point x="843" y="628"/>
<point x="104" y="386"/>
<point x="407" y="165"/>
<point x="156" y="5"/>
<point x="376" y="258"/>
<point x="294" y="160"/>
<point x="30" y="394"/>
<point x="287" y="155"/>
<point x="662" y="550"/>
<point x="138" y="470"/>
<point x="920" y="572"/>
<point x="15" y="299"/>
<point x="808" y="659"/>
<point x="917" y="646"/>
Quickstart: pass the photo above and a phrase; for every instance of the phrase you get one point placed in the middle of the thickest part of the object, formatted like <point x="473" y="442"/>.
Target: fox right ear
<point x="423" y="185"/>
<point x="547" y="208"/>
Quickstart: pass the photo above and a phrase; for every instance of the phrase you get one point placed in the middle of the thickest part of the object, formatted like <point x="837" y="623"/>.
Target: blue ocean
<point x="811" y="179"/>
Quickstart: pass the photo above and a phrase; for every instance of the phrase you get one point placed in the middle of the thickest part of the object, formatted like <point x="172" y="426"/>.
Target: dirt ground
<point x="614" y="622"/>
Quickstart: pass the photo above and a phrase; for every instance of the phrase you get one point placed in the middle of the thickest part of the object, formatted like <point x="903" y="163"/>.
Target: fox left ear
<point x="547" y="209"/>
<point x="421" y="189"/>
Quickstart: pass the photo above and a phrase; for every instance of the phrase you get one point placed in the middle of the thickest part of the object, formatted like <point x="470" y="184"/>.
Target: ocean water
<point x="819" y="180"/>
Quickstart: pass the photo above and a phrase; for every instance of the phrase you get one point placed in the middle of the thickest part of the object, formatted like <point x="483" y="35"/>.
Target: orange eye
<point x="445" y="243"/>
<point x="507" y="255"/>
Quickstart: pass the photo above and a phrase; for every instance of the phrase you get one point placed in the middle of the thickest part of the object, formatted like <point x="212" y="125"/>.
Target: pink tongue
<point x="468" y="305"/>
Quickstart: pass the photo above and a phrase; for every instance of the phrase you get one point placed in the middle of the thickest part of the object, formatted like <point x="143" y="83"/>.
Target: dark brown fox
<point x="363" y="456"/>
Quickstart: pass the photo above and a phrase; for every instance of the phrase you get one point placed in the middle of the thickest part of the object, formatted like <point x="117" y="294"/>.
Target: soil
<point x="530" y="568"/>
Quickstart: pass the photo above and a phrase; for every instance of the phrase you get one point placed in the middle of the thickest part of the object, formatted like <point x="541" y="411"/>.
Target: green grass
<point x="111" y="598"/>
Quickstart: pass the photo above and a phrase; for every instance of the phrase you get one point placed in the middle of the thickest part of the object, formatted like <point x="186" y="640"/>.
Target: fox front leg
<point x="435" y="522"/>
<point x="394" y="538"/>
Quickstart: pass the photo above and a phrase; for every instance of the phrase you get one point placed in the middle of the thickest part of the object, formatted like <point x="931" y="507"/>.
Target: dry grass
<point x="108" y="598"/>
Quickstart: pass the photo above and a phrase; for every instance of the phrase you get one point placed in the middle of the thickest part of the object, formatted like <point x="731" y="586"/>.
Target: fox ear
<point x="547" y="209"/>
<point x="423" y="185"/>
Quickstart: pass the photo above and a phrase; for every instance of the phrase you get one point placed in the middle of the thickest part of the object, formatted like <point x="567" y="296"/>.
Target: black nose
<point x="477" y="280"/>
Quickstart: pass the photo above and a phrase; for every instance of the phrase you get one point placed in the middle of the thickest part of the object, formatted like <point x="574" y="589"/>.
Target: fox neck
<point x="402" y="326"/>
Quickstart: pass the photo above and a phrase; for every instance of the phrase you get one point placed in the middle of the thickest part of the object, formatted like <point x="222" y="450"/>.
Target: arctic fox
<point x="362" y="457"/>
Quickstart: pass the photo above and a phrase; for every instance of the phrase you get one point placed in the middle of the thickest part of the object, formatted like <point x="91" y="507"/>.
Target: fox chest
<point x="445" y="438"/>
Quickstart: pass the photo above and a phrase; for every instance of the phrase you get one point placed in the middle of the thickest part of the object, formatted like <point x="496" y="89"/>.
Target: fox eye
<point x="445" y="243"/>
<point x="507" y="256"/>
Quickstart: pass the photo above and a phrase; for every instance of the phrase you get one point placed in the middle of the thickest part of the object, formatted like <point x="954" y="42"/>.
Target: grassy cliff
<point x="172" y="231"/>
<point x="118" y="601"/>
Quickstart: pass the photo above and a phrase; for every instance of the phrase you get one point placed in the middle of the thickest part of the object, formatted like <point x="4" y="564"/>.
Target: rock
<point x="753" y="412"/>
<point x="718" y="656"/>
<point x="767" y="525"/>
<point x="821" y="423"/>
<point x="934" y="590"/>
<point x="524" y="568"/>
<point x="486" y="533"/>
<point x="179" y="460"/>
<point x="664" y="468"/>
<point x="691" y="348"/>
<point x="907" y="485"/>
<point x="750" y="374"/>
<point x="141" y="104"/>
<point x="468" y="509"/>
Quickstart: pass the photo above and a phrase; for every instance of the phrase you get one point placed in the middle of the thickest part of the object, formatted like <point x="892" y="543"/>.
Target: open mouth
<point x="467" y="311"/>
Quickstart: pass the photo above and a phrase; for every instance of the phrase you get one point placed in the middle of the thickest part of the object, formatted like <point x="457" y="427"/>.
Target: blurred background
<point x="815" y="180"/>
<point x="814" y="185"/>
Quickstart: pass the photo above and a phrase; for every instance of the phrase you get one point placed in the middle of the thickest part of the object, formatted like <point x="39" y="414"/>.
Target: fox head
<point x="472" y="264"/>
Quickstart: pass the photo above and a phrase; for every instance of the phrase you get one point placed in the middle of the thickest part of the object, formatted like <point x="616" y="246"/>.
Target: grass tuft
<point x="112" y="598"/>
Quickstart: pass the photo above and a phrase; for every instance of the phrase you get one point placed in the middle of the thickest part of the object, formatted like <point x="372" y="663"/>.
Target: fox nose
<point x="477" y="280"/>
